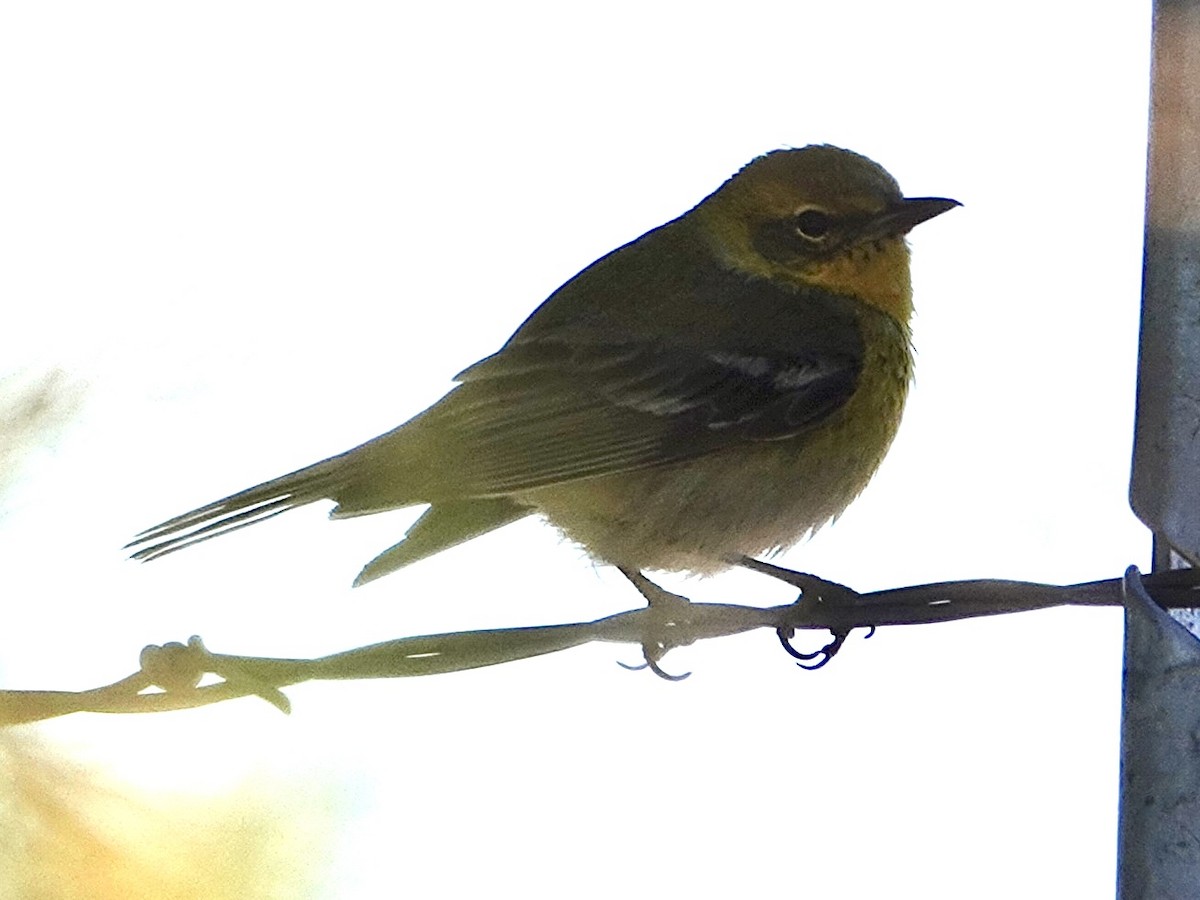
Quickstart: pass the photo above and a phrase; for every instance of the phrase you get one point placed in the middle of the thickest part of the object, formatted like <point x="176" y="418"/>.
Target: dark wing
<point x="547" y="411"/>
<point x="583" y="397"/>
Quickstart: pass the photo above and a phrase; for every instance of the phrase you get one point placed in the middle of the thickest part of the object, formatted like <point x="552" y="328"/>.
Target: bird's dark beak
<point x="904" y="216"/>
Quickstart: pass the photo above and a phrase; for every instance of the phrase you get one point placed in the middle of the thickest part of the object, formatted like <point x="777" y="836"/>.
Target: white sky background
<point x="261" y="233"/>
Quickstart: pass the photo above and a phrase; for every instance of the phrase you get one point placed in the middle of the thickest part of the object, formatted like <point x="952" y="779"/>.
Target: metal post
<point x="1159" y="833"/>
<point x="1158" y="849"/>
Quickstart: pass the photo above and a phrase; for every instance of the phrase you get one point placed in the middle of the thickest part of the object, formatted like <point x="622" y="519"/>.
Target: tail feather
<point x="264" y="501"/>
<point x="440" y="527"/>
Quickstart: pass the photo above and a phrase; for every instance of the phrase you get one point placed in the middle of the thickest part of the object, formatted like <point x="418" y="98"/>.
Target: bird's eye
<point x="813" y="224"/>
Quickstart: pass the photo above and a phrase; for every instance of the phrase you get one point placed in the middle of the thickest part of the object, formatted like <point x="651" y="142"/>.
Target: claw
<point x="822" y="656"/>
<point x="785" y="638"/>
<point x="654" y="667"/>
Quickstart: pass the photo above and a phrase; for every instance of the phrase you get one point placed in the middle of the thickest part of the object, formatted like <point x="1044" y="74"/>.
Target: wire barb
<point x="178" y="669"/>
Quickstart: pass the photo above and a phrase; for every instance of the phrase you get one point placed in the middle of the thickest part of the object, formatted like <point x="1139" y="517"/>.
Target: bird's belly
<point x="753" y="499"/>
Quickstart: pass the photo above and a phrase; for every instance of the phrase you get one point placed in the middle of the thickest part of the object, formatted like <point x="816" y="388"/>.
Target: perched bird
<point x="712" y="391"/>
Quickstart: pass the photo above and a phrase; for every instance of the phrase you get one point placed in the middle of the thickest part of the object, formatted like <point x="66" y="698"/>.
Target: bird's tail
<point x="316" y="482"/>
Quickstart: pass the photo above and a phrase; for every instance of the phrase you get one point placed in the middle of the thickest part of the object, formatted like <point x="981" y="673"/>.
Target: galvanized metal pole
<point x="1158" y="849"/>
<point x="1159" y="833"/>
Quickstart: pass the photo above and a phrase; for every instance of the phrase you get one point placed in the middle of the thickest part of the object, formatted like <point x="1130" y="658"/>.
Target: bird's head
<point x="819" y="216"/>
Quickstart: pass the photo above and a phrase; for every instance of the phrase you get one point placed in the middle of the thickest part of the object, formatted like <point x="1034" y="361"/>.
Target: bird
<point x="705" y="395"/>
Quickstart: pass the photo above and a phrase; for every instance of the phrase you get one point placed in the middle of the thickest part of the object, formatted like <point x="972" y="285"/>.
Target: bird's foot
<point x="668" y="618"/>
<point x="812" y="590"/>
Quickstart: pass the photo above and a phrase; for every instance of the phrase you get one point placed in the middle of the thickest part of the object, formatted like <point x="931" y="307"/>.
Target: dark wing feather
<point x="545" y="411"/>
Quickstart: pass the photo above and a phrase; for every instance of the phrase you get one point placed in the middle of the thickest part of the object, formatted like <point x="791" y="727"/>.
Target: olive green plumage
<point x="718" y="387"/>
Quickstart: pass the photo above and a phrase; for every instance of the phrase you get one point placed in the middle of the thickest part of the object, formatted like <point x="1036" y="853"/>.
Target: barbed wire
<point x="170" y="675"/>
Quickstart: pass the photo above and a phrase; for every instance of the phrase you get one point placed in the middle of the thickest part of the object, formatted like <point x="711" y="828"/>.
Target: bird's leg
<point x="813" y="590"/>
<point x="667" y="612"/>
